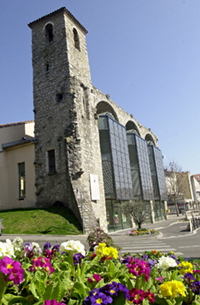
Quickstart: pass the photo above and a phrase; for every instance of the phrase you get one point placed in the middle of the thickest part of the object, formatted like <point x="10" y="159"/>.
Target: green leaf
<point x="65" y="283"/>
<point x="120" y="299"/>
<point x="159" y="301"/>
<point x="169" y="302"/>
<point x="81" y="289"/>
<point x="179" y="301"/>
<point x="13" y="299"/>
<point x="73" y="302"/>
<point x="111" y="267"/>
<point x="195" y="303"/>
<point x="174" y="275"/>
<point x="148" y="284"/>
<point x="53" y="291"/>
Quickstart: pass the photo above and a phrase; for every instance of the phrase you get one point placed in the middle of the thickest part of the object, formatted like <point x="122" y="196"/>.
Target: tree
<point x="177" y="183"/>
<point x="136" y="209"/>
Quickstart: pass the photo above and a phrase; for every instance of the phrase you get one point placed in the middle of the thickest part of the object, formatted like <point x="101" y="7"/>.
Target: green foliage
<point x="58" y="220"/>
<point x="99" y="236"/>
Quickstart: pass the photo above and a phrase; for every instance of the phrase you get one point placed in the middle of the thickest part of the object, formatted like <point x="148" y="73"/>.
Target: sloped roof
<point x="17" y="143"/>
<point x="15" y="124"/>
<point x="59" y="11"/>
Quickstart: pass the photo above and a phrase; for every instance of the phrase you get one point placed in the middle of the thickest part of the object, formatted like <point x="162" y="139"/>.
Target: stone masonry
<point x="66" y="107"/>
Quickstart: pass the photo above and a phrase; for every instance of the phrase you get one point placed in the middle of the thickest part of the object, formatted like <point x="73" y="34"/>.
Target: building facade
<point x="17" y="172"/>
<point x="89" y="154"/>
<point x="195" y="181"/>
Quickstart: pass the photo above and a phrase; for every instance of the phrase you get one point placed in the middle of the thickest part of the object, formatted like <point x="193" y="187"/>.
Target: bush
<point x="99" y="236"/>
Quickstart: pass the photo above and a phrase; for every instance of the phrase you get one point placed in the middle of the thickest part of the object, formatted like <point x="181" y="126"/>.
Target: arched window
<point x="49" y="32"/>
<point x="76" y="39"/>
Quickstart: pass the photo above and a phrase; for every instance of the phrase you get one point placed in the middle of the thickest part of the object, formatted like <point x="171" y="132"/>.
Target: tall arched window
<point x="76" y="39"/>
<point x="49" y="32"/>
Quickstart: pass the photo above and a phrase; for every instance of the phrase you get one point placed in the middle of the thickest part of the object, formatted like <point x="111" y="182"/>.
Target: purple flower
<point x="105" y="294"/>
<point x="151" y="262"/>
<point x="100" y="299"/>
<point x="53" y="302"/>
<point x="56" y="247"/>
<point x="47" y="246"/>
<point x="189" y="277"/>
<point x="195" y="286"/>
<point x="77" y="258"/>
<point x="125" y="290"/>
<point x="96" y="277"/>
<point x="28" y="247"/>
<point x="145" y="256"/>
<point x="90" y="280"/>
<point x="12" y="270"/>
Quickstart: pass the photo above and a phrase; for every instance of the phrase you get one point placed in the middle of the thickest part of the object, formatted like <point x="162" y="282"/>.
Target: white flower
<point x="7" y="249"/>
<point x="36" y="248"/>
<point x="17" y="243"/>
<point x="165" y="262"/>
<point x="2" y="249"/>
<point x="72" y="245"/>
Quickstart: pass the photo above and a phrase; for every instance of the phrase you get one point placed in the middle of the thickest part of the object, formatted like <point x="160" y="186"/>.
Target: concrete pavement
<point x="116" y="236"/>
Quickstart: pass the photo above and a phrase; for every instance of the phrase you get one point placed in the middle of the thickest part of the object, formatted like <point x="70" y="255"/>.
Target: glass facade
<point x="115" y="159"/>
<point x="116" y="220"/>
<point x="140" y="167"/>
<point x="158" y="176"/>
<point x="132" y="169"/>
<point x="159" y="210"/>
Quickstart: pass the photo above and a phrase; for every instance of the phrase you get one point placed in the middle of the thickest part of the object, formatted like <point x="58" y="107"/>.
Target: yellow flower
<point x="102" y="250"/>
<point x="186" y="267"/>
<point x="154" y="252"/>
<point x="166" y="289"/>
<point x="113" y="252"/>
<point x="172" y="289"/>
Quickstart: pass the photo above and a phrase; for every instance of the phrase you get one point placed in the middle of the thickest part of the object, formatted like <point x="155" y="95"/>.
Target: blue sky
<point x="144" y="53"/>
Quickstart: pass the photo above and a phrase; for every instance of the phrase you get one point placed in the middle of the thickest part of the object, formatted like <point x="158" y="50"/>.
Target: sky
<point x="144" y="53"/>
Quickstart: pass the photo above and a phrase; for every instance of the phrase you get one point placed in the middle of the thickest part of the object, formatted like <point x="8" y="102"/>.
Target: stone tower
<point x="67" y="142"/>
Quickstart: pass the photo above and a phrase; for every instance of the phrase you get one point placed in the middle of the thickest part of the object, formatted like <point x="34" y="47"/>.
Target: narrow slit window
<point x="59" y="97"/>
<point x="47" y="66"/>
<point x="22" y="181"/>
<point x="49" y="32"/>
<point x="76" y="39"/>
<point x="51" y="161"/>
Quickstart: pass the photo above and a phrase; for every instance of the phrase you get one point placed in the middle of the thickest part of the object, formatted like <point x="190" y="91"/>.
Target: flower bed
<point x="142" y="231"/>
<point x="67" y="274"/>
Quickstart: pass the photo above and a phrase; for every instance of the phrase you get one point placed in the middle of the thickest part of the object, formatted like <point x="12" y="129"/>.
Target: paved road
<point x="173" y="237"/>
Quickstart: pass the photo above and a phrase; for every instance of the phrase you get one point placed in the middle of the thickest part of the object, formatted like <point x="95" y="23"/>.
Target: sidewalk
<point x="117" y="236"/>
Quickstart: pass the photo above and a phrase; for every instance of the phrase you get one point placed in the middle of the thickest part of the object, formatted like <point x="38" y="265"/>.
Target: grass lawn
<point x="56" y="220"/>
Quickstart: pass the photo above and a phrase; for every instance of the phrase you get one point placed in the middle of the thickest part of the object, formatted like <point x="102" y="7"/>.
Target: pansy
<point x="72" y="245"/>
<point x="17" y="243"/>
<point x="12" y="270"/>
<point x="138" y="267"/>
<point x="172" y="289"/>
<point x="185" y="267"/>
<point x="41" y="263"/>
<point x="47" y="245"/>
<point x="159" y="279"/>
<point x="77" y="258"/>
<point x="137" y="295"/>
<point x="195" y="286"/>
<point x="165" y="262"/>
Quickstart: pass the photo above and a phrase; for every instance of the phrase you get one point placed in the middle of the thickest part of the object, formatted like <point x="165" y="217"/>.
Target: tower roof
<point x="62" y="10"/>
